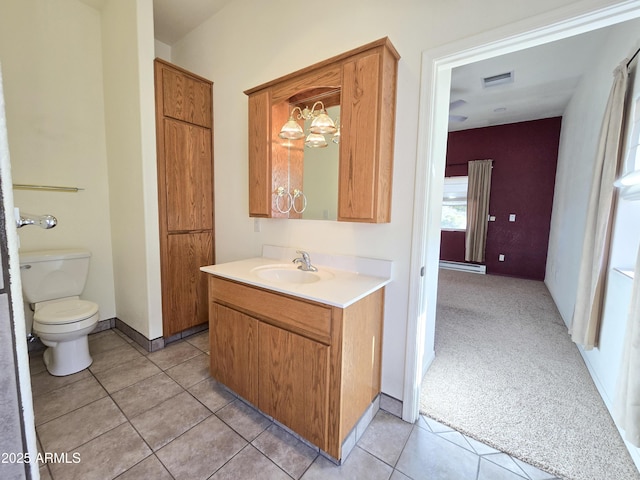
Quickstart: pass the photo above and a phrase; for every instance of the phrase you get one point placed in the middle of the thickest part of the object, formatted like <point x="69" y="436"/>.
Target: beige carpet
<point x="507" y="374"/>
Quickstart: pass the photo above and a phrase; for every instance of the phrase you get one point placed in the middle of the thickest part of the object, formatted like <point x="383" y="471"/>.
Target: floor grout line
<point x="417" y="425"/>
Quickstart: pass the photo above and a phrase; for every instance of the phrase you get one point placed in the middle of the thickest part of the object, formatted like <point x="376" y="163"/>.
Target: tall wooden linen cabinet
<point x="184" y="129"/>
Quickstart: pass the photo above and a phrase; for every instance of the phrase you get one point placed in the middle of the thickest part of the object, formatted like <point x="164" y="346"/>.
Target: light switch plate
<point x="512" y="217"/>
<point x="501" y="258"/>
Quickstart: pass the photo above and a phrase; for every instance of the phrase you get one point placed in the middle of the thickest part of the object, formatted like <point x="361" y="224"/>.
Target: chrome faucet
<point x="304" y="261"/>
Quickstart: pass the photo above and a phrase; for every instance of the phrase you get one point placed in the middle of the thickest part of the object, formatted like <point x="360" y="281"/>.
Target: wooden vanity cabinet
<point x="234" y="338"/>
<point x="367" y="79"/>
<point x="294" y="381"/>
<point x="184" y="138"/>
<point x="313" y="367"/>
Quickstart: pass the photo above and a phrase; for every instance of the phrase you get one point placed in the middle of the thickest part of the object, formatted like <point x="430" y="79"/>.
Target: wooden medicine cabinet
<point x="361" y="86"/>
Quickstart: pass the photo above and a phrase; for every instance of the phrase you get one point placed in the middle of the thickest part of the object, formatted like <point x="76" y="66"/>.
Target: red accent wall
<point x="523" y="178"/>
<point x="452" y="245"/>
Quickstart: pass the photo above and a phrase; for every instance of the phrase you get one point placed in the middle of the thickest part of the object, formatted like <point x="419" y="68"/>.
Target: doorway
<point x="437" y="66"/>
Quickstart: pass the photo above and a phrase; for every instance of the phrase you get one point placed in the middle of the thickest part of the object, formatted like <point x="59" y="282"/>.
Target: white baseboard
<point x="464" y="267"/>
<point x="634" y="451"/>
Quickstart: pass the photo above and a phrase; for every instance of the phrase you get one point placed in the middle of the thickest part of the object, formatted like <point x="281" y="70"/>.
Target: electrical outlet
<point x="256" y="225"/>
<point x="512" y="217"/>
<point x="501" y="258"/>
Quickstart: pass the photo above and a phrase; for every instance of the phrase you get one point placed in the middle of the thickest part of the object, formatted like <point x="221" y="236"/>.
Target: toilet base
<point x="67" y="358"/>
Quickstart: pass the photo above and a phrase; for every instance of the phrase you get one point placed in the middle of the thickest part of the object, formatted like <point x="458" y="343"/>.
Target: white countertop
<point x="341" y="289"/>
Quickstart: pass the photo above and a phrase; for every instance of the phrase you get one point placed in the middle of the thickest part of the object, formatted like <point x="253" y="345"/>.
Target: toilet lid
<point x="67" y="311"/>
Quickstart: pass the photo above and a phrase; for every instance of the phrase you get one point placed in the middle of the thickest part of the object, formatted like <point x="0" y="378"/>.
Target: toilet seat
<point x="65" y="316"/>
<point x="65" y="312"/>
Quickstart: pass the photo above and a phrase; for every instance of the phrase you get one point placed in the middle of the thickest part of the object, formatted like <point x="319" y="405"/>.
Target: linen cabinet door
<point x="185" y="300"/>
<point x="294" y="382"/>
<point x="234" y="355"/>
<point x="188" y="177"/>
<point x="186" y="98"/>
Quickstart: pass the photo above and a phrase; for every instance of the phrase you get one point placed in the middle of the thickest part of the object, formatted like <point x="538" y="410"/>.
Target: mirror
<point x="309" y="189"/>
<point x="320" y="176"/>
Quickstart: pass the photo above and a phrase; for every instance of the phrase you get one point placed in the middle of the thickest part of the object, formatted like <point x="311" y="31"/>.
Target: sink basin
<point x="289" y="274"/>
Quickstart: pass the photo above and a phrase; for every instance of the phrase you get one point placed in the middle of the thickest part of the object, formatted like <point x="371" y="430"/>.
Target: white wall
<point x="80" y="111"/>
<point x="250" y="42"/>
<point x="128" y="52"/>
<point x="163" y="50"/>
<point x="52" y="62"/>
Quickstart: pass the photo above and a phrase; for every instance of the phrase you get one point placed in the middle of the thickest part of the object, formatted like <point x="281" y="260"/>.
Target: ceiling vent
<point x="499" y="79"/>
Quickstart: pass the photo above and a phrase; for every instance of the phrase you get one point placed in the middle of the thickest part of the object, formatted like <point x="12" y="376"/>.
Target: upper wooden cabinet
<point x="185" y="194"/>
<point x="365" y="82"/>
<point x="185" y="97"/>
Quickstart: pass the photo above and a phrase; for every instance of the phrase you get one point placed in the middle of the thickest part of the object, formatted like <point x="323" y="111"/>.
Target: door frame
<point x="17" y="415"/>
<point x="437" y="64"/>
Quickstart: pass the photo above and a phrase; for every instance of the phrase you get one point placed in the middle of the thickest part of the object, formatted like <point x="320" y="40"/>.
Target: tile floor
<point x="138" y="415"/>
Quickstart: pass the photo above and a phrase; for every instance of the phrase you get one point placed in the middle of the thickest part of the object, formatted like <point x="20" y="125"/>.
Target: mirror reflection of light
<point x="321" y="124"/>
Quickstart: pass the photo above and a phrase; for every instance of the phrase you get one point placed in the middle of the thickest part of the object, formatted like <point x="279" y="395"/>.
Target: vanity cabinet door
<point x="356" y="190"/>
<point x="294" y="382"/>
<point x="366" y="146"/>
<point x="259" y="155"/>
<point x="233" y="339"/>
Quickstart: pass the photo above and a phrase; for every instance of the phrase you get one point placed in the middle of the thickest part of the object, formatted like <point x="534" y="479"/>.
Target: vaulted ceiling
<point x="542" y="81"/>
<point x="543" y="78"/>
<point x="174" y="19"/>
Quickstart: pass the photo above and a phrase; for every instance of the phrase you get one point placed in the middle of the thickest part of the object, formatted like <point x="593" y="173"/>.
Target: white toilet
<point x="52" y="281"/>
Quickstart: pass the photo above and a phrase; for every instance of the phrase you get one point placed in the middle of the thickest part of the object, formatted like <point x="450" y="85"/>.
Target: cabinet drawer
<point x="312" y="320"/>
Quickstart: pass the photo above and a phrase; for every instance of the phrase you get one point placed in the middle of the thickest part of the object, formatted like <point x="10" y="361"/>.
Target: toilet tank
<point x="53" y="274"/>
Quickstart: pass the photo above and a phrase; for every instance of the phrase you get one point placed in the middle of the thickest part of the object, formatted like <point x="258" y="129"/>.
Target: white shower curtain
<point x="587" y="314"/>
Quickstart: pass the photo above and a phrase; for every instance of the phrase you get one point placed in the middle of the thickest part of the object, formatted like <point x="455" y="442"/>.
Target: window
<point x="633" y="156"/>
<point x="454" y="203"/>
<point x="626" y="235"/>
<point x="630" y="181"/>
